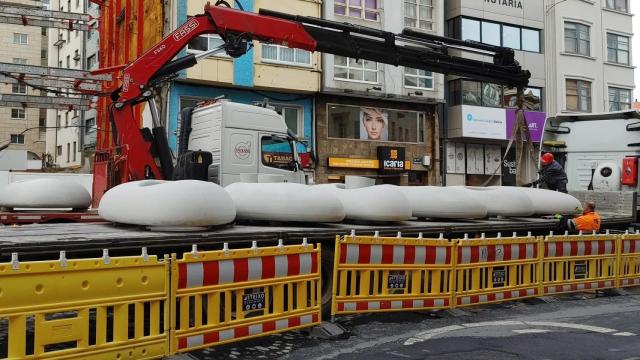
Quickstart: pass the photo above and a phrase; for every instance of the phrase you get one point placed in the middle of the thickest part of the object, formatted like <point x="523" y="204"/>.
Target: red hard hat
<point x="546" y="158"/>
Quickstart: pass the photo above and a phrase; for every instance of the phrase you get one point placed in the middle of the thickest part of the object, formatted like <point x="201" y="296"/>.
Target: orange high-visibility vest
<point x="588" y="222"/>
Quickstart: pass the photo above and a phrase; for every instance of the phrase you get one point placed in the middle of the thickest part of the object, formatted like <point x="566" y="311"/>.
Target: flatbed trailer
<point x="45" y="241"/>
<point x="48" y="216"/>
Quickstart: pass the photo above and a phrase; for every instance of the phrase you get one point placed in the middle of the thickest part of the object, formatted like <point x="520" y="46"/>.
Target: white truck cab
<point x="247" y="143"/>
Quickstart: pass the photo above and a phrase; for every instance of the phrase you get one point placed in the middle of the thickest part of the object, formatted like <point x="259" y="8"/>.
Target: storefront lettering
<point x="393" y="164"/>
<point x="511" y="165"/>
<point x="510" y="3"/>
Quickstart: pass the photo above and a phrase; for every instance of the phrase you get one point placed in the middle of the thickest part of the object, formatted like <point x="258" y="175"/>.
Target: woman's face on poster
<point x="373" y="120"/>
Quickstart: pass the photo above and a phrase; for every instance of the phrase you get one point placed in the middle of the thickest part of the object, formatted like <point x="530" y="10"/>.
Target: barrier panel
<point x="629" y="260"/>
<point x="498" y="269"/>
<point x="574" y="263"/>
<point x="374" y="274"/>
<point x="107" y="308"/>
<point x="231" y="295"/>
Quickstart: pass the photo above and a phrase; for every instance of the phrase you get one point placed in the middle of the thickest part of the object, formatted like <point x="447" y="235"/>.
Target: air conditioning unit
<point x="426" y="160"/>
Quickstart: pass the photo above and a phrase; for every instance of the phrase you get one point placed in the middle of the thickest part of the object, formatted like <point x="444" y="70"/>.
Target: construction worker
<point x="587" y="222"/>
<point x="551" y="174"/>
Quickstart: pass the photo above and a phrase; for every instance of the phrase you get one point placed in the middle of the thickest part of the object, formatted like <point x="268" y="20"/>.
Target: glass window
<point x="531" y="40"/>
<point x="620" y="5"/>
<point x="21" y="39"/>
<point x="578" y="95"/>
<point x="471" y="93"/>
<point x="363" y="9"/>
<point x="21" y="61"/>
<point x="418" y="14"/>
<point x="292" y="117"/>
<point x="90" y="126"/>
<point x="19" y="88"/>
<point x="18" y="114"/>
<point x="491" y="95"/>
<point x="577" y="38"/>
<point x="68" y="151"/>
<point x="511" y="37"/>
<point x="277" y="152"/>
<point x="204" y="43"/>
<point x="618" y="49"/>
<point x="491" y="33"/>
<point x="532" y="98"/>
<point x="59" y="150"/>
<point x="17" y="139"/>
<point x="282" y="54"/>
<point x="619" y="99"/>
<point x="74" y="151"/>
<point x="355" y="70"/>
<point x="92" y="62"/>
<point x="470" y="29"/>
<point x="416" y="78"/>
<point x="376" y="124"/>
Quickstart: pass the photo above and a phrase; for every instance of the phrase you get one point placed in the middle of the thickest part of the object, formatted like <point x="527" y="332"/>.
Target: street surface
<point x="580" y="326"/>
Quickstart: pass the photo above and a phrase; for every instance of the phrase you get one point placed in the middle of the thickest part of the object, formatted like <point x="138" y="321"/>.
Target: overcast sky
<point x="635" y="9"/>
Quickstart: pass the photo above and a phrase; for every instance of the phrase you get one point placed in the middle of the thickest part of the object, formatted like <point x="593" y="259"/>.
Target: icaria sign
<point x="483" y="122"/>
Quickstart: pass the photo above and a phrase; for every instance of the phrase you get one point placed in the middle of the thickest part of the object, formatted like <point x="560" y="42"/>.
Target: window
<point x="619" y="5"/>
<point x="59" y="150"/>
<point x="511" y="37"/>
<point x="619" y="99"/>
<point x="277" y="152"/>
<point x="89" y="125"/>
<point x="76" y="57"/>
<point x="19" y="88"/>
<point x="68" y="152"/>
<point x="42" y="122"/>
<point x="470" y="29"/>
<point x="292" y="117"/>
<point x="43" y="54"/>
<point x="415" y="78"/>
<point x="43" y="31"/>
<point x="578" y="95"/>
<point x="21" y="61"/>
<point x="18" y="114"/>
<point x="363" y="9"/>
<point x="532" y="98"/>
<point x="493" y="33"/>
<point x="66" y="119"/>
<point x="68" y="61"/>
<point x="375" y="124"/>
<point x="356" y="70"/>
<point x="418" y="14"/>
<point x="205" y="43"/>
<point x="59" y="120"/>
<point x="21" y="39"/>
<point x="74" y="151"/>
<point x="491" y="95"/>
<point x="282" y="54"/>
<point x="17" y="139"/>
<point x="618" y="49"/>
<point x="577" y="39"/>
<point x="91" y="62"/>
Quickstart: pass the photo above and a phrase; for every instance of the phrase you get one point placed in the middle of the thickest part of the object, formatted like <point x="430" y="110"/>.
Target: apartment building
<point x="71" y="132"/>
<point x="589" y="57"/>
<point x="402" y="101"/>
<point x="275" y="76"/>
<point x="480" y="115"/>
<point x="22" y="127"/>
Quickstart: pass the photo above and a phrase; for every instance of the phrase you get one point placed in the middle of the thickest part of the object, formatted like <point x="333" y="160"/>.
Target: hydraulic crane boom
<point x="137" y="150"/>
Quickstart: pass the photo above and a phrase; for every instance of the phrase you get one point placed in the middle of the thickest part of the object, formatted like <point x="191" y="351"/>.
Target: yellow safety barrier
<point x="108" y="308"/>
<point x="231" y="295"/>
<point x="574" y="263"/>
<point x="496" y="269"/>
<point x="391" y="274"/>
<point x="629" y="260"/>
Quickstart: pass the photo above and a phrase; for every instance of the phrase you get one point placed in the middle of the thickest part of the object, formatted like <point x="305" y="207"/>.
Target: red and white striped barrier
<point x="495" y="297"/>
<point x="394" y="254"/>
<point x="579" y="248"/>
<point x="356" y="306"/>
<point x="218" y="272"/>
<point x="594" y="285"/>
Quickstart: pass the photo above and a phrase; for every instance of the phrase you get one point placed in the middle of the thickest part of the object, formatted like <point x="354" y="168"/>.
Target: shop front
<point x="477" y="141"/>
<point x="391" y="142"/>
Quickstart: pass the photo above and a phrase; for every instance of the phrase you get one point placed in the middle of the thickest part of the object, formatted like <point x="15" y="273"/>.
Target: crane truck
<point x="139" y="154"/>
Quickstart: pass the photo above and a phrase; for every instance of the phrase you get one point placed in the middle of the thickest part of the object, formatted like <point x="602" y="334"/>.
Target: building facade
<point x="589" y="62"/>
<point x="71" y="132"/>
<point x="378" y="120"/>
<point x="22" y="127"/>
<point x="270" y="75"/>
<point x="480" y="115"/>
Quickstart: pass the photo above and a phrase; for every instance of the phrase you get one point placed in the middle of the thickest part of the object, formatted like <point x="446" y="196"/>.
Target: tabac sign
<point x="391" y="158"/>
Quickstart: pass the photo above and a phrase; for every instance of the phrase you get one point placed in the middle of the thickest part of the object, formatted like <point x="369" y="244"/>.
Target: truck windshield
<point x="277" y="152"/>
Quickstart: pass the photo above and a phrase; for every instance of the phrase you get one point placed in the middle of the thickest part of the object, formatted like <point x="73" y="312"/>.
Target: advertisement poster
<point x="374" y="124"/>
<point x="535" y="120"/>
<point x="483" y="122"/>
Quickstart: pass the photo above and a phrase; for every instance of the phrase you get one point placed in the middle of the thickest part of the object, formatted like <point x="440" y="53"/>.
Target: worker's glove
<point x="557" y="216"/>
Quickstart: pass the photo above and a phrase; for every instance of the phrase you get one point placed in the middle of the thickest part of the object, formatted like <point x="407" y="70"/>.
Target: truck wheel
<point x="326" y="275"/>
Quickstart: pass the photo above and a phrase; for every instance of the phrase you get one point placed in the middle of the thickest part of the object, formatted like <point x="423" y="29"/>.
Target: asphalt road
<point x="581" y="326"/>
